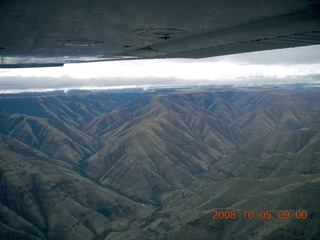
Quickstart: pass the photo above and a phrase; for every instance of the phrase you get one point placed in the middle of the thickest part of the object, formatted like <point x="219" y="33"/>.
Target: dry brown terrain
<point x="154" y="165"/>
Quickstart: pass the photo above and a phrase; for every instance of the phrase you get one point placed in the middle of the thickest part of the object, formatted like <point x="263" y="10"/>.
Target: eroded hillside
<point x="155" y="165"/>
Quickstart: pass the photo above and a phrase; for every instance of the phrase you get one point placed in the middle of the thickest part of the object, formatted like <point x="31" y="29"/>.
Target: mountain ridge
<point x="154" y="165"/>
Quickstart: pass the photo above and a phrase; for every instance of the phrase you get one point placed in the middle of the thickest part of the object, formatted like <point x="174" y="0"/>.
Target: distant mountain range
<point x="156" y="164"/>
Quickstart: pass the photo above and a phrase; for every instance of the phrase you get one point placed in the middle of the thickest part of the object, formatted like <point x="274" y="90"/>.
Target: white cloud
<point x="274" y="64"/>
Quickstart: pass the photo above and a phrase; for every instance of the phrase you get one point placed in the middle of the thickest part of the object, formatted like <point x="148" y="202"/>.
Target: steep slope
<point x="282" y="116"/>
<point x="166" y="141"/>
<point x="42" y="198"/>
<point x="52" y="137"/>
<point x="275" y="166"/>
<point x="74" y="109"/>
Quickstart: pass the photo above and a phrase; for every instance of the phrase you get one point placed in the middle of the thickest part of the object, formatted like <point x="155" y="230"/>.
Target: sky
<point x="290" y="65"/>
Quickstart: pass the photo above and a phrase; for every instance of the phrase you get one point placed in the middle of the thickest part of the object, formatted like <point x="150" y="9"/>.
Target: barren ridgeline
<point x="161" y="164"/>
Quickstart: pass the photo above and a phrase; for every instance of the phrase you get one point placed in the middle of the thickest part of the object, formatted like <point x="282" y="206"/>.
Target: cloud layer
<point x="20" y="84"/>
<point x="268" y="67"/>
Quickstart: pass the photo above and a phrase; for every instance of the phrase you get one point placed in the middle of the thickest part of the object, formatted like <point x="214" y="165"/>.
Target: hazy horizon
<point x="291" y="65"/>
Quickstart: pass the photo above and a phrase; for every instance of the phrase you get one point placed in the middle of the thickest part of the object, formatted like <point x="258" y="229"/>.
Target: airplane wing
<point x="38" y="33"/>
